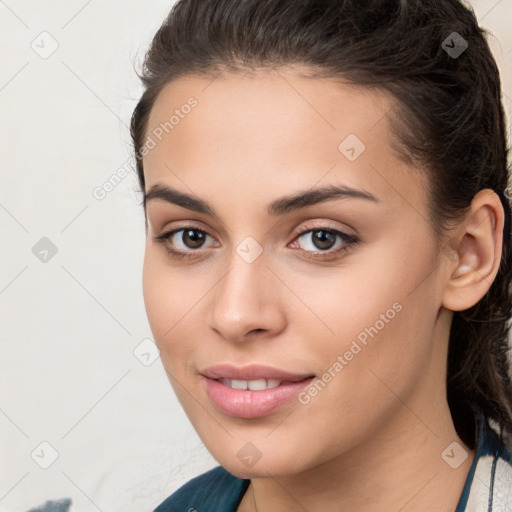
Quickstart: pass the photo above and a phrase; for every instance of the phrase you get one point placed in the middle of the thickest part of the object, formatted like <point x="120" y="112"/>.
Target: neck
<point x="400" y="468"/>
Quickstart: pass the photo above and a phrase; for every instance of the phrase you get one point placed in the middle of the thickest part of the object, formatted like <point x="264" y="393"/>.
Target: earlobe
<point x="478" y="252"/>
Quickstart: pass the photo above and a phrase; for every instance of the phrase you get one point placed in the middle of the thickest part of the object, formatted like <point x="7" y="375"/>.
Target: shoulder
<point x="217" y="488"/>
<point x="491" y="472"/>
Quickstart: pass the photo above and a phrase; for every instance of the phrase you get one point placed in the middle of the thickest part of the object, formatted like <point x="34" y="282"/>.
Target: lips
<point x="252" y="372"/>
<point x="252" y="403"/>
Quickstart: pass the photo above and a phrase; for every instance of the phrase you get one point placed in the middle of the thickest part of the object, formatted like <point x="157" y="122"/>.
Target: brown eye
<point x="323" y="239"/>
<point x="320" y="243"/>
<point x="185" y="242"/>
<point x="192" y="238"/>
<point x="320" y="239"/>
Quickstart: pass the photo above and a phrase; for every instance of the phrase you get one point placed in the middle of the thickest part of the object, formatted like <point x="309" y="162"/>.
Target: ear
<point x="476" y="253"/>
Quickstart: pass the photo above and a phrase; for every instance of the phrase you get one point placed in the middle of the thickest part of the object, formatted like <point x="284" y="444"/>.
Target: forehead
<point x="270" y="101"/>
<point x="270" y="128"/>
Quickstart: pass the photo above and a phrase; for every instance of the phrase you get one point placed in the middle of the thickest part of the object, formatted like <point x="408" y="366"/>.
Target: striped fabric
<point x="488" y="486"/>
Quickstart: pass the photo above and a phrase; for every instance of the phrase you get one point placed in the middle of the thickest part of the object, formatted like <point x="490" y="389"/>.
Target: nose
<point x="247" y="301"/>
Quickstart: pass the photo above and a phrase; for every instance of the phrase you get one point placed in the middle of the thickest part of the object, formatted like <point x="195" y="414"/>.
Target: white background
<point x="68" y="327"/>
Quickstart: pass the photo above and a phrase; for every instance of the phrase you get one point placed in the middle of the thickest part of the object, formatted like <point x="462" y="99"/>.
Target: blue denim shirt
<point x="488" y="486"/>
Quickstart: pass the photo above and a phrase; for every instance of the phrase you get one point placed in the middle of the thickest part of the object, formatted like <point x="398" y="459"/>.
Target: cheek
<point x="164" y="298"/>
<point x="385" y="333"/>
<point x="174" y="298"/>
<point x="343" y="302"/>
<point x="379" y="312"/>
<point x="156" y="296"/>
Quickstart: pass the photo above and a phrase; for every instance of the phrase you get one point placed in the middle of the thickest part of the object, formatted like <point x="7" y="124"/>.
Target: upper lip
<point x="251" y="372"/>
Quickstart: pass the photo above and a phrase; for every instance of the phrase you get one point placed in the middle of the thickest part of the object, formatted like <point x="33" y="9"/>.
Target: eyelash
<point x="350" y="242"/>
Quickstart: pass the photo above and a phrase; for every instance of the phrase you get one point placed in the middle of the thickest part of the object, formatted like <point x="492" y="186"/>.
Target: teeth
<point x="254" y="385"/>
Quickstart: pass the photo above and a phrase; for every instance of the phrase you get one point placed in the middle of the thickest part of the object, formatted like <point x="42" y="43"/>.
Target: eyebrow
<point x="280" y="206"/>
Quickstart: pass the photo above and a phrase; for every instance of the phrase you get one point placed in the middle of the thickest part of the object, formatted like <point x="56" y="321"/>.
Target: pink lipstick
<point x="252" y="391"/>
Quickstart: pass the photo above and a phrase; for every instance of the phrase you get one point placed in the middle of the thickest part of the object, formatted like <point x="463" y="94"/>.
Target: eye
<point x="190" y="238"/>
<point x="319" y="242"/>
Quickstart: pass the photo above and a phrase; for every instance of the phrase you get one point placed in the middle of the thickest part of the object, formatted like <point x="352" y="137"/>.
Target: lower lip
<point x="246" y="403"/>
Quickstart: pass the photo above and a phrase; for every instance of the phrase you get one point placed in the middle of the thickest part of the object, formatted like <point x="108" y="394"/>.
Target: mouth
<point x="258" y="384"/>
<point x="252" y="375"/>
<point x="253" y="398"/>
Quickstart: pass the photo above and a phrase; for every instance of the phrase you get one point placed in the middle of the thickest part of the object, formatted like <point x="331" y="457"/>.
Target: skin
<point x="372" y="439"/>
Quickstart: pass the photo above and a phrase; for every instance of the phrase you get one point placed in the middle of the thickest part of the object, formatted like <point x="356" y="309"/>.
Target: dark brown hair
<point x="448" y="119"/>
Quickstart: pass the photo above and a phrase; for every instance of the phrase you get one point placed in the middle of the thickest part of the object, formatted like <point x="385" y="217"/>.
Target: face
<point x="346" y="289"/>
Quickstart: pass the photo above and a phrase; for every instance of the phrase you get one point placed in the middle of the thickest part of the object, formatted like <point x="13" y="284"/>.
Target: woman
<point x="328" y="261"/>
